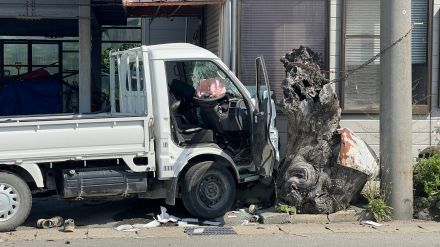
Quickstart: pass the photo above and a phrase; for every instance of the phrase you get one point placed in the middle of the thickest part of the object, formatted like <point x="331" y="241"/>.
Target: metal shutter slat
<point x="272" y="28"/>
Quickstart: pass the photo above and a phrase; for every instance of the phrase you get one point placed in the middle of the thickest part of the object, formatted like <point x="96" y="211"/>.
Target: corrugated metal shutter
<point x="213" y="28"/>
<point x="272" y="28"/>
<point x="362" y="42"/>
<point x="419" y="35"/>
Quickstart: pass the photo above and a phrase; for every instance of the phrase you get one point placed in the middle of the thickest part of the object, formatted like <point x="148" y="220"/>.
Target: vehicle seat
<point x="188" y="133"/>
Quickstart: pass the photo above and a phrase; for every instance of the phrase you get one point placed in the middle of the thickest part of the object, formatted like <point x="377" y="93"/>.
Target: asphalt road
<point x="328" y="239"/>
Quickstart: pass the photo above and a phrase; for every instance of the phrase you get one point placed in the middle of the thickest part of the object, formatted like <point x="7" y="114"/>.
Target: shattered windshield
<point x="210" y="80"/>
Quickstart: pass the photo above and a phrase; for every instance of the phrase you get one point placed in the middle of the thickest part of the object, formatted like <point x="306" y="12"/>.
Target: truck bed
<point x="52" y="138"/>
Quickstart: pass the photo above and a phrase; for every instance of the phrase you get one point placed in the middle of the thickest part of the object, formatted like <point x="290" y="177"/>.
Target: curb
<point x="346" y="216"/>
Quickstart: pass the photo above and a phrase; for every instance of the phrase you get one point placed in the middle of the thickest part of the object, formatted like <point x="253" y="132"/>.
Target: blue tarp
<point x="31" y="96"/>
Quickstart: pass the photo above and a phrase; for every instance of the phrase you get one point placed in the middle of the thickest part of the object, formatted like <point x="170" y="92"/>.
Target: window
<point x="118" y="38"/>
<point x="204" y="77"/>
<point x="361" y="41"/>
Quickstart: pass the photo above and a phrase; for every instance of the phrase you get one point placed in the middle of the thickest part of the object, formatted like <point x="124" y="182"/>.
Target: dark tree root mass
<point x="310" y="177"/>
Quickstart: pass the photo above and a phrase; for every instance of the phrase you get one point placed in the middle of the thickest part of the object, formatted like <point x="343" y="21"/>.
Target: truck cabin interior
<point x="206" y="107"/>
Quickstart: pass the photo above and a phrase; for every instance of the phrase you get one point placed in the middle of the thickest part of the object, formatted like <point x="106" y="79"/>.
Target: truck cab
<point x="181" y="126"/>
<point x="209" y="133"/>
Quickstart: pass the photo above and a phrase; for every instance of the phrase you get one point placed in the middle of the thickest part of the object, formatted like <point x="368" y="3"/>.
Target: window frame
<point x="219" y="67"/>
<point x="416" y="109"/>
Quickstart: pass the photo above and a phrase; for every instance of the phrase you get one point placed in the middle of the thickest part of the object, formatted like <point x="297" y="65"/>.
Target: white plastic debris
<point x="164" y="217"/>
<point x="371" y="223"/>
<point x="198" y="231"/>
<point x="127" y="228"/>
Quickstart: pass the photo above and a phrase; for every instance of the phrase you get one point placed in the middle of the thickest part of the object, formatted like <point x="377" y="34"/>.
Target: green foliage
<point x="377" y="208"/>
<point x="427" y="173"/>
<point x="284" y="208"/>
<point x="105" y="55"/>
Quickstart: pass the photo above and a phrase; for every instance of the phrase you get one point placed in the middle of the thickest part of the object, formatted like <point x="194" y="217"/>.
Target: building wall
<point x="426" y="128"/>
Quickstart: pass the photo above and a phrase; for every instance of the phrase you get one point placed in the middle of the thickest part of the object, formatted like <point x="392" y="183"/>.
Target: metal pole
<point x="85" y="60"/>
<point x="396" y="108"/>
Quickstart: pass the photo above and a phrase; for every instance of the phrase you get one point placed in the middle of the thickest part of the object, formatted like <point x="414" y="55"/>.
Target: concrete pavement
<point x="408" y="233"/>
<point x="96" y="222"/>
<point x="300" y="230"/>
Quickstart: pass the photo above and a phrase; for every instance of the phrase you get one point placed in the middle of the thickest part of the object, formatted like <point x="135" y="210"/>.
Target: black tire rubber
<point x="25" y="205"/>
<point x="191" y="186"/>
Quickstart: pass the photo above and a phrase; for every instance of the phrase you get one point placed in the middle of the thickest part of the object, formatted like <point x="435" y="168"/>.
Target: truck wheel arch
<point x="224" y="160"/>
<point x="28" y="171"/>
<point x="191" y="161"/>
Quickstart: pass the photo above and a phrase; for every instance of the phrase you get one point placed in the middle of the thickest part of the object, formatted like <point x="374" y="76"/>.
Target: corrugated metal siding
<point x="213" y="28"/>
<point x="362" y="42"/>
<point x="272" y="28"/>
<point x="419" y="48"/>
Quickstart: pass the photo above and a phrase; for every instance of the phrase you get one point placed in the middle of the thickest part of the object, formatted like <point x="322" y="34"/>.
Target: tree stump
<point x="310" y="177"/>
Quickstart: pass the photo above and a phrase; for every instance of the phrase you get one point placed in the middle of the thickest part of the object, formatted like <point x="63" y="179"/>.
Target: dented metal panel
<point x="356" y="154"/>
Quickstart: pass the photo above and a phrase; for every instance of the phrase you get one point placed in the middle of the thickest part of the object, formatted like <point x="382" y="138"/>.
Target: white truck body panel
<point x="72" y="137"/>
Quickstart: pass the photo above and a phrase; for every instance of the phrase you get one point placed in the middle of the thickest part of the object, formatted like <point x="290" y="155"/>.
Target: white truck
<point x="181" y="126"/>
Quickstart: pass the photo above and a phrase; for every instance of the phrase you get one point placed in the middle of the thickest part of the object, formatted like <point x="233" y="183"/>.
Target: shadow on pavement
<point x="101" y="213"/>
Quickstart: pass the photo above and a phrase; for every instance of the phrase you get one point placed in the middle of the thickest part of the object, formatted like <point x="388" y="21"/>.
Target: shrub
<point x="427" y="174"/>
<point x="377" y="208"/>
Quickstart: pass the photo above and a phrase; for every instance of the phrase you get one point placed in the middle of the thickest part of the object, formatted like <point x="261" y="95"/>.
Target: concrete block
<point x="275" y="218"/>
<point x="233" y="218"/>
<point x="309" y="218"/>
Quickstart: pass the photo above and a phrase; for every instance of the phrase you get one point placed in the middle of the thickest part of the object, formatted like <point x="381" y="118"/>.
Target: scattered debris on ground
<point x="205" y="231"/>
<point x="166" y="219"/>
<point x="371" y="223"/>
<point x="57" y="221"/>
<point x="69" y="225"/>
<point x="322" y="172"/>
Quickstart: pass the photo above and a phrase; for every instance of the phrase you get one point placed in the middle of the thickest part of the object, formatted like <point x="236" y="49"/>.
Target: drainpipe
<point x="226" y="31"/>
<point x="234" y="33"/>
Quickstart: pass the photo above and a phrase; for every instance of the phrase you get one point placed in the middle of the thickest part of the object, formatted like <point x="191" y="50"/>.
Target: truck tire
<point x="208" y="190"/>
<point x="15" y="201"/>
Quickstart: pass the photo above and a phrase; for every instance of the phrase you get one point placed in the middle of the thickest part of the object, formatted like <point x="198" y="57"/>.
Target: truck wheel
<point x="15" y="201"/>
<point x="208" y="190"/>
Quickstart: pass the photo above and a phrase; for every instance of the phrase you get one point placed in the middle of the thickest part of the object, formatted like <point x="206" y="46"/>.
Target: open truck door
<point x="263" y="150"/>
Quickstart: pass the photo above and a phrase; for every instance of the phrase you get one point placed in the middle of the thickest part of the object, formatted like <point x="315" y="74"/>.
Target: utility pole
<point x="396" y="108"/>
